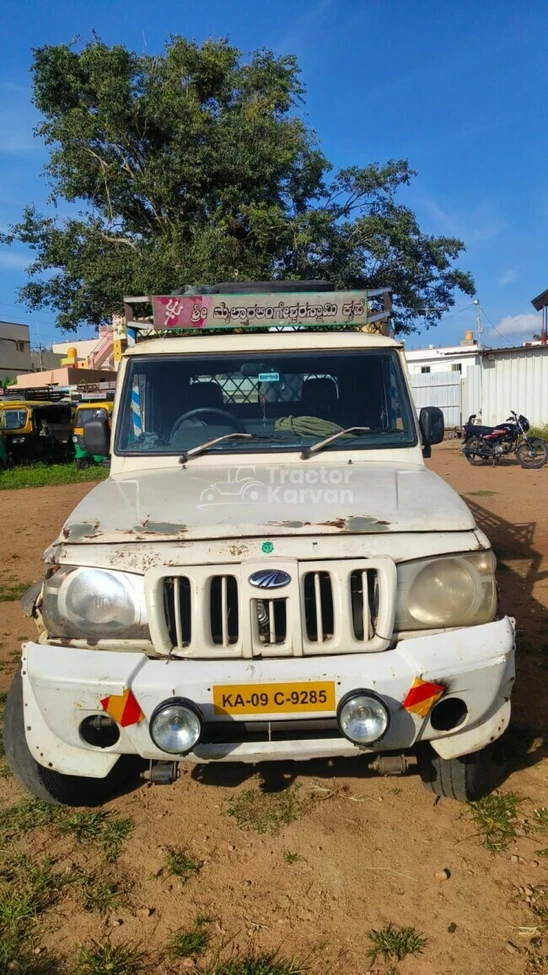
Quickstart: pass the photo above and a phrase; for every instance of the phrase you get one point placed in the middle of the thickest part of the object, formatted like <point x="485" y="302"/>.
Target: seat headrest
<point x="205" y="394"/>
<point x="319" y="392"/>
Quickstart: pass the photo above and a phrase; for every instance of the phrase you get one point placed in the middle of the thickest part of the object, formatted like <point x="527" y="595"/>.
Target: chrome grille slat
<point x="366" y="615"/>
<point x="224" y="610"/>
<point x="272" y="620"/>
<point x="177" y="609"/>
<point x="318" y="606"/>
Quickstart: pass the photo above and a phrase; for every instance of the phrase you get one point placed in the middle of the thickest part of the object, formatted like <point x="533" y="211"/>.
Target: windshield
<point x="13" y="419"/>
<point x="90" y="413"/>
<point x="285" y="401"/>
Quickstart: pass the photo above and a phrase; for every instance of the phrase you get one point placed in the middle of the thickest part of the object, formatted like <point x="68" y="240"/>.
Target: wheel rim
<point x="532" y="453"/>
<point x="476" y="459"/>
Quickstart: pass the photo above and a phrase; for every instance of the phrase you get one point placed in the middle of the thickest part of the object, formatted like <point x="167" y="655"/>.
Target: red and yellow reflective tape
<point x="123" y="708"/>
<point x="422" y="696"/>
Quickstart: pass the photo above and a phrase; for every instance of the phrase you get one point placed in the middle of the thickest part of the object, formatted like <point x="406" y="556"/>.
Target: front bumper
<point x="63" y="685"/>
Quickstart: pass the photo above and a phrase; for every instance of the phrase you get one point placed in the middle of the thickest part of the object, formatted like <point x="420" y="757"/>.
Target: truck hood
<point x="236" y="502"/>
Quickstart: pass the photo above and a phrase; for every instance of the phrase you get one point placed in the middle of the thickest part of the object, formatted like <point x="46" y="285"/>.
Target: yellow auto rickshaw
<point x="88" y="411"/>
<point x="35" y="430"/>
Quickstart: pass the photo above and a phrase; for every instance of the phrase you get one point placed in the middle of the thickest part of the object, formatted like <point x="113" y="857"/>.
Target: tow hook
<point x="161" y="773"/>
<point x="390" y="764"/>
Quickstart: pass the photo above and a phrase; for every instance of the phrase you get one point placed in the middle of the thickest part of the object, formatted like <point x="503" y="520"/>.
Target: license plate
<point x="274" y="698"/>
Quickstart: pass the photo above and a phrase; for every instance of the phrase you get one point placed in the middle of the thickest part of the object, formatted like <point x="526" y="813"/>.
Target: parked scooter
<point x="485" y="444"/>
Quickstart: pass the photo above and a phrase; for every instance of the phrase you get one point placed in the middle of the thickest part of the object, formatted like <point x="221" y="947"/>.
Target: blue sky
<point x="458" y="88"/>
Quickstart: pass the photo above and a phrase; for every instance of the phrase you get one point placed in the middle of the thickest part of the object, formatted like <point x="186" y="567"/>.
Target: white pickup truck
<point x="270" y="572"/>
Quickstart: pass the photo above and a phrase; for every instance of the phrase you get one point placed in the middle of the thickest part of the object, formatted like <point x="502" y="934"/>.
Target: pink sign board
<point x="226" y="311"/>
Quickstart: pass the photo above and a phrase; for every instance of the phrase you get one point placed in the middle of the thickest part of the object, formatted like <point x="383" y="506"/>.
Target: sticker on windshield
<point x="269" y="377"/>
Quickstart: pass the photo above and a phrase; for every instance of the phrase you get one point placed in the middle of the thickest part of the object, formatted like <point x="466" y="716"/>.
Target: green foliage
<point x="192" y="166"/>
<point x="541" y="819"/>
<point x="540" y="432"/>
<point x="495" y="816"/>
<point x="181" y="864"/>
<point x="27" y="815"/>
<point x="189" y="943"/>
<point x="45" y="475"/>
<point x="99" y="896"/>
<point x="4" y="767"/>
<point x="107" y="959"/>
<point x="395" y="942"/>
<point x="256" y="965"/>
<point x="27" y="888"/>
<point x="11" y="593"/>
<point x="96" y="825"/>
<point x="265" y="812"/>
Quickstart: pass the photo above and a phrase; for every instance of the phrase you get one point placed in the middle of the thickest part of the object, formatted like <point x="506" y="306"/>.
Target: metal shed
<point x="515" y="379"/>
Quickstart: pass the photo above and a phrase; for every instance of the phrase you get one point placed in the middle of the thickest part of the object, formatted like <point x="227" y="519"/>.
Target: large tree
<point x="194" y="166"/>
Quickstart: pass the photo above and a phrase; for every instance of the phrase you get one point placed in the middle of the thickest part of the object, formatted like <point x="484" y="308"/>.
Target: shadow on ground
<point x="526" y="741"/>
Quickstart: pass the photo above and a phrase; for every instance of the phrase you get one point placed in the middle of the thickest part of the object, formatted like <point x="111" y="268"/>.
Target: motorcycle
<point x="485" y="444"/>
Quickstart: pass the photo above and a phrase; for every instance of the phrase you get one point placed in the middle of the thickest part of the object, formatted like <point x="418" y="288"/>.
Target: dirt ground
<point x="368" y="849"/>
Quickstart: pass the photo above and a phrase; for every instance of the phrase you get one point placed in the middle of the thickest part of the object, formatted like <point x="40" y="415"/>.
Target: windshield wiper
<point x="202" y="447"/>
<point x="308" y="451"/>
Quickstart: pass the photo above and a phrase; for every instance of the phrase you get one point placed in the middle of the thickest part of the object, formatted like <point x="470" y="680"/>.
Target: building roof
<point x="540" y="301"/>
<point x="537" y="347"/>
<point x="441" y="351"/>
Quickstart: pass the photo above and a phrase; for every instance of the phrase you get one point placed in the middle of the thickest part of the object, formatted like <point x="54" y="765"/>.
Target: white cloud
<point x="16" y="130"/>
<point x="309" y="21"/>
<point x="508" y="277"/>
<point x="12" y="259"/>
<point x="517" y="326"/>
<point x="478" y="224"/>
<point x="12" y="86"/>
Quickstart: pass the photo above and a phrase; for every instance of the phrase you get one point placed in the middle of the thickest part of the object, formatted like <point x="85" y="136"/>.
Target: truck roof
<point x="271" y="341"/>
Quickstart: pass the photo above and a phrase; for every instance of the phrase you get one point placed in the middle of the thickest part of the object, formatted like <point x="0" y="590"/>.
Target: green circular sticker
<point x="267" y="548"/>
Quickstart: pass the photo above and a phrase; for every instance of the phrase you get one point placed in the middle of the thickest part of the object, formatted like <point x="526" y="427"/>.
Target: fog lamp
<point x="362" y="717"/>
<point x="176" y="726"/>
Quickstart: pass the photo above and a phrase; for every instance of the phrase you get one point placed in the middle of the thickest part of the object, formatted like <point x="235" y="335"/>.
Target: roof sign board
<point x="290" y="309"/>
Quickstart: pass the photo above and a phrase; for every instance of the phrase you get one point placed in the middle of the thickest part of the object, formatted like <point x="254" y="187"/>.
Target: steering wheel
<point x="237" y="424"/>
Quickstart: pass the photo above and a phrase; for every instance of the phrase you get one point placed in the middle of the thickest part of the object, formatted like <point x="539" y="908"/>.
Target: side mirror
<point x="97" y="436"/>
<point x="432" y="427"/>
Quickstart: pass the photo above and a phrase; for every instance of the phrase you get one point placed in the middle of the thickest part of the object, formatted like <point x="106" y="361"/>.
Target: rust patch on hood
<point x="84" y="530"/>
<point x="158" y="528"/>
<point x="357" y="523"/>
<point x="335" y="523"/>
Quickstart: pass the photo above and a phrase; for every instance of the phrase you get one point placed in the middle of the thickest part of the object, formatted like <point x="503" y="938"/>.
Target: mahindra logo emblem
<point x="270" y="579"/>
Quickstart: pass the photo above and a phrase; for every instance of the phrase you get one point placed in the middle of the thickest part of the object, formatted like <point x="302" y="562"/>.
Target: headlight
<point x="83" y="603"/>
<point x="362" y="717"/>
<point x="74" y="438"/>
<point x="176" y="726"/>
<point x="456" y="590"/>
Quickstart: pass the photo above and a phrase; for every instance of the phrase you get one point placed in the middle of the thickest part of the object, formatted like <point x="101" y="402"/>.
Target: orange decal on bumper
<point x="123" y="708"/>
<point x="422" y="696"/>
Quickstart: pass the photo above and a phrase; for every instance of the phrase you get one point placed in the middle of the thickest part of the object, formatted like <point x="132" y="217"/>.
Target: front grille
<point x="211" y="612"/>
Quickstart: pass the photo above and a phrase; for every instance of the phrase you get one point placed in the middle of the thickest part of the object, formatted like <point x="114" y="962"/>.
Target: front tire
<point x="532" y="453"/>
<point x="82" y="463"/>
<point x="45" y="783"/>
<point x="465" y="779"/>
